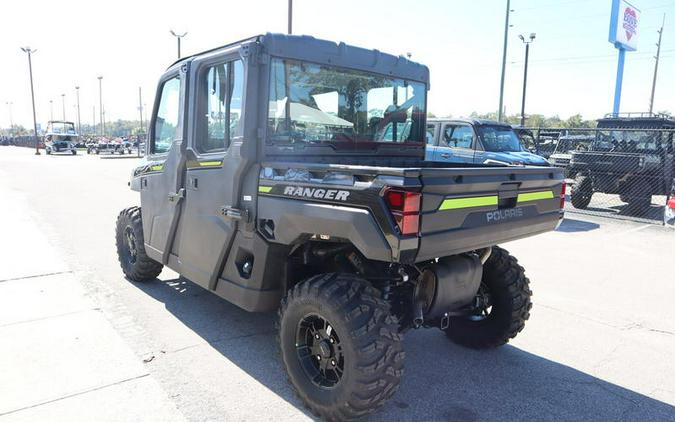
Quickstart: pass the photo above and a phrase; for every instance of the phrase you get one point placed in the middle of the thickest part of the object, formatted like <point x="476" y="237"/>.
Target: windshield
<point x="499" y="139"/>
<point x="61" y="127"/>
<point x="635" y="141"/>
<point x="318" y="103"/>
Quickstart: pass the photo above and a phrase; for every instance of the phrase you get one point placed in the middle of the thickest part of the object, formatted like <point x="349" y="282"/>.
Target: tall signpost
<point x="624" y="34"/>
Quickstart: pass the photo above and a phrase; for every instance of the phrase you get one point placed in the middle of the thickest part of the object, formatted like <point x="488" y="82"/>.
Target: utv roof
<point x="475" y="122"/>
<point x="307" y="48"/>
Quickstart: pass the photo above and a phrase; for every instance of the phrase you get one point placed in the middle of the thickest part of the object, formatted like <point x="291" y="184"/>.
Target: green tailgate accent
<point x="457" y="203"/>
<point x="204" y="164"/>
<point x="265" y="189"/>
<point x="535" y="196"/>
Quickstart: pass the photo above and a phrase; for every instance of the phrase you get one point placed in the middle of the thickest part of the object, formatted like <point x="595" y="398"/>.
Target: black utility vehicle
<point x="631" y="155"/>
<point x="287" y="173"/>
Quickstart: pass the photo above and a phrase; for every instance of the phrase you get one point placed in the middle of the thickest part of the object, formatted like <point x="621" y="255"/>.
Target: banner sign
<point x="623" y="25"/>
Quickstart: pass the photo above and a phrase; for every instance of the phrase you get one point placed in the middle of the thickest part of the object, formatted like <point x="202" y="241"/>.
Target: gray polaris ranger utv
<point x="287" y="173"/>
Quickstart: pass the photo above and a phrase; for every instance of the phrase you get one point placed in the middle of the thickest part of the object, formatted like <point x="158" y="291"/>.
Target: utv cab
<point x="631" y="155"/>
<point x="60" y="137"/>
<point x="286" y="173"/>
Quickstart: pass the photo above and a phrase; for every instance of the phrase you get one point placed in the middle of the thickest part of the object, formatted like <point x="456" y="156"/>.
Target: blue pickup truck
<point x="474" y="141"/>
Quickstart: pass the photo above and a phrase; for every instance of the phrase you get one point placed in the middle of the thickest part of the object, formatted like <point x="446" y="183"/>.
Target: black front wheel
<point x="135" y="263"/>
<point x="582" y="192"/>
<point x="503" y="305"/>
<point x="340" y="346"/>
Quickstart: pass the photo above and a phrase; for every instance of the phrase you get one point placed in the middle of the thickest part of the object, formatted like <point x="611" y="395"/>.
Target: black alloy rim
<point x="319" y="351"/>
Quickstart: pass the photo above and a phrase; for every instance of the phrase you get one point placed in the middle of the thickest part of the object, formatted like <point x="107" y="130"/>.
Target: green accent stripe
<point x="210" y="163"/>
<point x="264" y="189"/>
<point x="458" y="203"/>
<point x="157" y="167"/>
<point x="535" y="196"/>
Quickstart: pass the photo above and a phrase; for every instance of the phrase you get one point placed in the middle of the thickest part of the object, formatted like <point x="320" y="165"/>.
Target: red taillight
<point x="563" y="192"/>
<point x="671" y="203"/>
<point x="405" y="208"/>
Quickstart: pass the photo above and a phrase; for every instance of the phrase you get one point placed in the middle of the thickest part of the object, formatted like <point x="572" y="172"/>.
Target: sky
<point x="572" y="65"/>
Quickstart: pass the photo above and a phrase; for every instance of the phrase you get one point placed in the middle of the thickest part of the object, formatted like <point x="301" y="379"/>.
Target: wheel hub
<point x="319" y="351"/>
<point x="131" y="245"/>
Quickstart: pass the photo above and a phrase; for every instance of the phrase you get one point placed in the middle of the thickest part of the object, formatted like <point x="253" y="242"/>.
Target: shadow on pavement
<point x="570" y="225"/>
<point x="442" y="381"/>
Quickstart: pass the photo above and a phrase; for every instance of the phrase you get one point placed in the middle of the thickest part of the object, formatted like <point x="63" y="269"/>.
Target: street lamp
<point x="178" y="37"/>
<point x="63" y="106"/>
<point x="100" y="103"/>
<point x="77" y="94"/>
<point x="527" y="54"/>
<point x="51" y="109"/>
<point x="290" y="17"/>
<point x="29" y="51"/>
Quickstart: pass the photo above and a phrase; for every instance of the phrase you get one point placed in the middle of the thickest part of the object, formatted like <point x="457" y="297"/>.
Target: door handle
<point x="445" y="155"/>
<point x="176" y="196"/>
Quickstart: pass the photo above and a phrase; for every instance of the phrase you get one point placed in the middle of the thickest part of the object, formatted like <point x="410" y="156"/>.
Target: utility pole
<point x="140" y="111"/>
<point x="63" y="106"/>
<point x="51" y="109"/>
<point x="527" y="54"/>
<point x="178" y="37"/>
<point x="93" y="121"/>
<point x="506" y="41"/>
<point x="656" y="65"/>
<point x="290" y="17"/>
<point x="29" y="51"/>
<point x="100" y="103"/>
<point x="79" y="125"/>
<point x="11" y="121"/>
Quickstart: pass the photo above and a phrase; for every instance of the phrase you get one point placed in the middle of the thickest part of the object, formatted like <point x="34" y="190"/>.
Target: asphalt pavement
<point x="79" y="342"/>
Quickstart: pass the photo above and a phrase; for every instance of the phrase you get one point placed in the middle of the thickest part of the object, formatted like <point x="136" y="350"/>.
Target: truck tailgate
<point x="465" y="209"/>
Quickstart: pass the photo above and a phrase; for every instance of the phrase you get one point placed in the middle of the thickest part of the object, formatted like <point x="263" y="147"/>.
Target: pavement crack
<point x="79" y="393"/>
<point x="28" y="321"/>
<point x="36" y="276"/>
<point x="219" y="340"/>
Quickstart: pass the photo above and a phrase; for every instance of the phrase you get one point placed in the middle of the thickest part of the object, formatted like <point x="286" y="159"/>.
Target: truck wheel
<point x="639" y="197"/>
<point x="505" y="295"/>
<point x="582" y="192"/>
<point x="74" y="152"/>
<point x="135" y="263"/>
<point x="340" y="346"/>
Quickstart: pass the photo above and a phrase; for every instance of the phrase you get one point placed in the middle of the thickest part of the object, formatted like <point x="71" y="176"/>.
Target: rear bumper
<point x="462" y="240"/>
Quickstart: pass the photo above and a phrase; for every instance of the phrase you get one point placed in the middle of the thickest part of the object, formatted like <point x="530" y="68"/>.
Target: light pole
<point x="29" y="51"/>
<point x="77" y="94"/>
<point x="506" y="39"/>
<point x="63" y="106"/>
<point x="11" y="121"/>
<point x="100" y="103"/>
<point x="527" y="54"/>
<point x="51" y="109"/>
<point x="140" y="111"/>
<point x="178" y="37"/>
<point x="290" y="17"/>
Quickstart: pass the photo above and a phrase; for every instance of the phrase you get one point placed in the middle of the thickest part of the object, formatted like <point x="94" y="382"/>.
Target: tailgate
<point x="464" y="209"/>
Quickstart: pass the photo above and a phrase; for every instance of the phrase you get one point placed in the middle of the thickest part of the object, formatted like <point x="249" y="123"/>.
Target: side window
<point x="223" y="86"/>
<point x="458" y="136"/>
<point x="430" y="134"/>
<point x="167" y="117"/>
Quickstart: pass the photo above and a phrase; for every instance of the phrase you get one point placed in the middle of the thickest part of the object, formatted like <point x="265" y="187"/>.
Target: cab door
<point x="162" y="182"/>
<point x="456" y="144"/>
<point x="215" y="168"/>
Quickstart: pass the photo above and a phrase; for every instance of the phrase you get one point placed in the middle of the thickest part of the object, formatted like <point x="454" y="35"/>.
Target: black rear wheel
<point x="340" y="346"/>
<point x="503" y="301"/>
<point x="639" y="197"/>
<point x="135" y="263"/>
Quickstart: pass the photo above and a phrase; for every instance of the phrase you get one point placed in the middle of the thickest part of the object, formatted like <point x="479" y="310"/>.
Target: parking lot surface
<point x="598" y="346"/>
